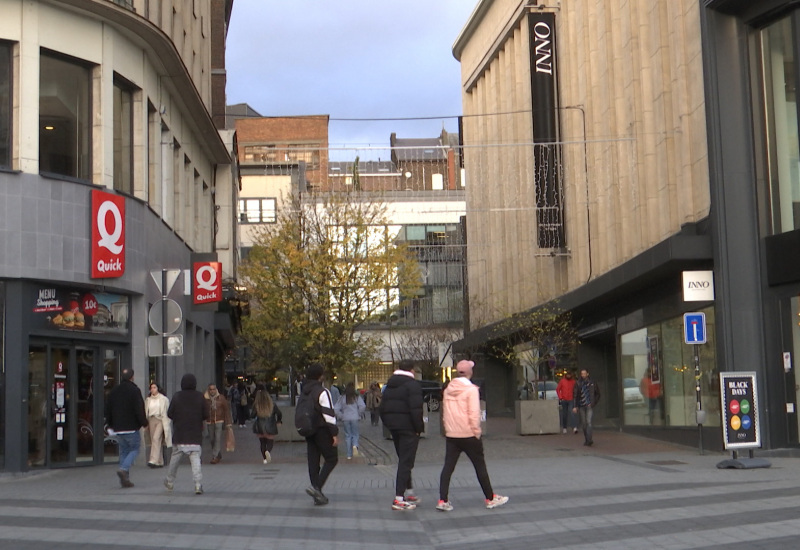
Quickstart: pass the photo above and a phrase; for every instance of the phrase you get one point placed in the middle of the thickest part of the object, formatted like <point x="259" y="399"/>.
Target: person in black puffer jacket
<point x="188" y="410"/>
<point x="401" y="413"/>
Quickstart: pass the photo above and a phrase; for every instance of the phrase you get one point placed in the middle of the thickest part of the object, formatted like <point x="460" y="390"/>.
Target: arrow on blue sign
<point x="694" y="328"/>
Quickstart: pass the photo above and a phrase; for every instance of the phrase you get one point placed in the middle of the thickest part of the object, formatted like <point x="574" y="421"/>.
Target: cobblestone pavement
<point x="625" y="492"/>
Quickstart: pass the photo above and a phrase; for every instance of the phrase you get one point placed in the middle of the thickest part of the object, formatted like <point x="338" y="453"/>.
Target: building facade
<point x="586" y="145"/>
<point x="112" y="172"/>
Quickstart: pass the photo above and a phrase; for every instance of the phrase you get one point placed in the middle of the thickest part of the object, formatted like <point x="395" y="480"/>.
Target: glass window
<point x="64" y="117"/>
<point x="5" y="105"/>
<point x="123" y="138"/>
<point x="779" y="76"/>
<point x="257" y="210"/>
<point x="658" y="376"/>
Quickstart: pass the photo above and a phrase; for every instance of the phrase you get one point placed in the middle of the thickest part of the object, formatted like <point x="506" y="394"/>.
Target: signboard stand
<point x="740" y="421"/>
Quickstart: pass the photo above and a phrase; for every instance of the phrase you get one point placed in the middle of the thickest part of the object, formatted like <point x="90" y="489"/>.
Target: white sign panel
<point x="698" y="286"/>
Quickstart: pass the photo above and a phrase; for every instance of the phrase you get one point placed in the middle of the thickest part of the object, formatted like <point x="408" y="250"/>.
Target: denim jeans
<point x="128" y="449"/>
<point x="350" y="436"/>
<point x="567" y="418"/>
<point x="193" y="452"/>
<point x="586" y="422"/>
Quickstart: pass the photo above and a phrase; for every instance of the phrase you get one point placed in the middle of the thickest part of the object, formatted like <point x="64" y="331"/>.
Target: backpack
<point x="306" y="415"/>
<point x="243" y="399"/>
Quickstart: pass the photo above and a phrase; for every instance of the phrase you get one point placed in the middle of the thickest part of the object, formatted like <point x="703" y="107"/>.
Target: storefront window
<point x="779" y="75"/>
<point x="659" y="376"/>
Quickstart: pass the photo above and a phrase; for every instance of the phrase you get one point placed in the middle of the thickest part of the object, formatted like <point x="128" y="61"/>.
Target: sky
<point x="350" y="59"/>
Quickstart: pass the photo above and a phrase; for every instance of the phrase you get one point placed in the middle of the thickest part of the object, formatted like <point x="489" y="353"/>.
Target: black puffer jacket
<point x="401" y="406"/>
<point x="188" y="409"/>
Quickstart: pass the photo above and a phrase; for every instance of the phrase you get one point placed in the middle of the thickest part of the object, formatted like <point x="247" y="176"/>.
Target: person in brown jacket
<point x="219" y="418"/>
<point x="461" y="418"/>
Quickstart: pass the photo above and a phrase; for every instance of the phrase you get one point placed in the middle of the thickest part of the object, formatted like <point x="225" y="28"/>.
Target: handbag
<point x="265" y="425"/>
<point x="230" y="440"/>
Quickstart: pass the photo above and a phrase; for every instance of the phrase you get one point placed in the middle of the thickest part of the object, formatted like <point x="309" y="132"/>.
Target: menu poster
<point x="57" y="308"/>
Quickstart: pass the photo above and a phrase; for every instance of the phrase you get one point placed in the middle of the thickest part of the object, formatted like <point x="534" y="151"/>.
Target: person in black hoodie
<point x="125" y="416"/>
<point x="324" y="441"/>
<point x="401" y="413"/>
<point x="188" y="410"/>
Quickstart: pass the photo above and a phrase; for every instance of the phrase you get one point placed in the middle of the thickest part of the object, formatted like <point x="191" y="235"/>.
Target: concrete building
<point x="592" y="191"/>
<point x="111" y="169"/>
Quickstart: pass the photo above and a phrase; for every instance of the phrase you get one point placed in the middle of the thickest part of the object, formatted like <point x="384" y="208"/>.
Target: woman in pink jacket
<point x="461" y="418"/>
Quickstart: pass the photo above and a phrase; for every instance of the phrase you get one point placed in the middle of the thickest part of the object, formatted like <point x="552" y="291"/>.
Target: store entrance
<point x="66" y="397"/>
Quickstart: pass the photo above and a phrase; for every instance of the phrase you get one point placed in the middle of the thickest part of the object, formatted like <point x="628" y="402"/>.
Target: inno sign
<point x="108" y="235"/>
<point x="698" y="286"/>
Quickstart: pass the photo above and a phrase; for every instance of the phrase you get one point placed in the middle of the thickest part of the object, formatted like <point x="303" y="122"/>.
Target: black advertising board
<point x="739" y="394"/>
<point x="75" y="310"/>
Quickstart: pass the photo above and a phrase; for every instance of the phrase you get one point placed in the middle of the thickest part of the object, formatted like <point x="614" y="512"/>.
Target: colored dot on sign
<point x="736" y="423"/>
<point x="734" y="407"/>
<point x="745" y="406"/>
<point x="746" y="422"/>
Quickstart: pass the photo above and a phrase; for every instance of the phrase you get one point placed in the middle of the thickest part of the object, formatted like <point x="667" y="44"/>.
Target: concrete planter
<point x="537" y="417"/>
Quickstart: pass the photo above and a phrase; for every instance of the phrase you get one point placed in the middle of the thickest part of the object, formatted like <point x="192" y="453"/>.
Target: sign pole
<point x="697" y="393"/>
<point x="163" y="373"/>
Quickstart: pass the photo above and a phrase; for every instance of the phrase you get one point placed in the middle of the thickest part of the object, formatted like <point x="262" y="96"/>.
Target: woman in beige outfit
<point x="159" y="424"/>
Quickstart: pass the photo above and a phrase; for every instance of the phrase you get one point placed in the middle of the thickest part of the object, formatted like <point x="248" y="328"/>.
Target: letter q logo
<point x="108" y="240"/>
<point x="206" y="278"/>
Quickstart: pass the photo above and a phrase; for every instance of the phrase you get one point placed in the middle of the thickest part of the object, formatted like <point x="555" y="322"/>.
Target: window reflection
<point x="658" y="376"/>
<point x="782" y="135"/>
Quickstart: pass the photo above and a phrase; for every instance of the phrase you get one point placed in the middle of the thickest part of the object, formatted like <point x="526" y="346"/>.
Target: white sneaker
<point x="267" y="457"/>
<point x="563" y="430"/>
<point x="444" y="506"/>
<point x="355" y="451"/>
<point x="496" y="501"/>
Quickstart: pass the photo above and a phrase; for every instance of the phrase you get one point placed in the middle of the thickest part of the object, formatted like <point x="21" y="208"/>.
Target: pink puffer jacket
<point x="461" y="409"/>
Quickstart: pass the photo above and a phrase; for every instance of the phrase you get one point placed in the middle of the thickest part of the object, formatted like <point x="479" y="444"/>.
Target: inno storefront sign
<point x="698" y="286"/>
<point x="207" y="282"/>
<point x="108" y="235"/>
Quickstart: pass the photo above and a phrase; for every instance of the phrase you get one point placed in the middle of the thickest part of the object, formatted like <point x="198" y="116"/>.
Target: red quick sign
<point x="108" y="235"/>
<point x="207" y="282"/>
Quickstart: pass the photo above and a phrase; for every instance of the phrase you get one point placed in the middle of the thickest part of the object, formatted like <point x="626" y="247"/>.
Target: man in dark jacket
<point x="324" y="441"/>
<point x="188" y="410"/>
<point x="125" y="416"/>
<point x="401" y="413"/>
<point x="586" y="394"/>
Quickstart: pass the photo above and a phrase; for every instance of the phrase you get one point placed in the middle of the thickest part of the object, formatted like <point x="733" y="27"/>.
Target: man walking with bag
<point x="315" y="420"/>
<point x="125" y="416"/>
<point x="461" y="418"/>
<point x="219" y="420"/>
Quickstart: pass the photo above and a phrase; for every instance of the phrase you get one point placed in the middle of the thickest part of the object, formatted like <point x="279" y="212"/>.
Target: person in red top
<point x="650" y="388"/>
<point x="564" y="391"/>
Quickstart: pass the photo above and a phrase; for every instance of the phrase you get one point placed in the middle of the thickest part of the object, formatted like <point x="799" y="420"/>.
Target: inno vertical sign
<point x="546" y="151"/>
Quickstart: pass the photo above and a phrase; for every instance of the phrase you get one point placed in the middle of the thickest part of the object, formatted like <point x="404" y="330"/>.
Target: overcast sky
<point x="363" y="59"/>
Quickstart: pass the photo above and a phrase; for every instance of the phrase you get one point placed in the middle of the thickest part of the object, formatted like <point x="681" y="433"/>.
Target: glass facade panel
<point x="64" y="118"/>
<point x="779" y="76"/>
<point x="123" y="139"/>
<point x="5" y="105"/>
<point x="37" y="406"/>
<point x="658" y="375"/>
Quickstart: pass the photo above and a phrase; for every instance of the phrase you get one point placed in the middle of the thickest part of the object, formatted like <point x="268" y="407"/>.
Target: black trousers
<point x="405" y="444"/>
<point x="320" y="445"/>
<point x="473" y="448"/>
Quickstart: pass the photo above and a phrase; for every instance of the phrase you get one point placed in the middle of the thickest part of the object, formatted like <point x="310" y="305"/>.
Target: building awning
<point x="223" y="330"/>
<point x="688" y="250"/>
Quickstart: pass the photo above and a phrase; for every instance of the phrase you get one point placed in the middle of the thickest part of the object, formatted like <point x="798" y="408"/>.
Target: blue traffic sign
<point x="694" y="328"/>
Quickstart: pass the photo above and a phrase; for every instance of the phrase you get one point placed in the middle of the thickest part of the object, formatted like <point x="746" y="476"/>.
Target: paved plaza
<point x="625" y="492"/>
